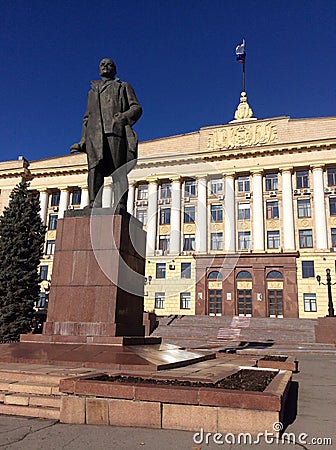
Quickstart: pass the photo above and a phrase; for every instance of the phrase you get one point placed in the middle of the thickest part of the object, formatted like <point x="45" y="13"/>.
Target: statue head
<point x="107" y="68"/>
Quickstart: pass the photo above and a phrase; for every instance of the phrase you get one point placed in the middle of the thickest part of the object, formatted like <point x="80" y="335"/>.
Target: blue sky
<point x="177" y="54"/>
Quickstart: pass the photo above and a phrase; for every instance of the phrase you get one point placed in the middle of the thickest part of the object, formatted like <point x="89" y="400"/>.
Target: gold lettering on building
<point x="243" y="136"/>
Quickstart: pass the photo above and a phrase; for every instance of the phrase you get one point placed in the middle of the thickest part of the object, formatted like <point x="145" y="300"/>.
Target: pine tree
<point x="21" y="245"/>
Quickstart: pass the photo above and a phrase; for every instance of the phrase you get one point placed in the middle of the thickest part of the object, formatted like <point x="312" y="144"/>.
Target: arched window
<point x="243" y="274"/>
<point x="274" y="274"/>
<point x="215" y="275"/>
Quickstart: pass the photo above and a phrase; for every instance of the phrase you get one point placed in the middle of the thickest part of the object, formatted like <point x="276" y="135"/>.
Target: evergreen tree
<point x="21" y="245"/>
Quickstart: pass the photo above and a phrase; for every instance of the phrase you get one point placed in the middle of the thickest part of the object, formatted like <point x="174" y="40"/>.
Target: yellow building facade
<point x="244" y="192"/>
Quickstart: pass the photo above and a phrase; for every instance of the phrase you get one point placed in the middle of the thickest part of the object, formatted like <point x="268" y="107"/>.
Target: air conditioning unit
<point x="221" y="197"/>
<point x="158" y="253"/>
<point x="144" y="203"/>
<point x="273" y="194"/>
<point x="167" y="201"/>
<point x="248" y="195"/>
<point x="138" y="203"/>
<point x="296" y="192"/>
<point x="160" y="202"/>
<point x="327" y="191"/>
<point x="55" y="208"/>
<point x="306" y="192"/>
<point x="71" y="207"/>
<point x="187" y="199"/>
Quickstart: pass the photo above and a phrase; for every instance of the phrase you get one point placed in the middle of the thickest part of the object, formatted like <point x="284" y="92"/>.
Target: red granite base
<point x="325" y="330"/>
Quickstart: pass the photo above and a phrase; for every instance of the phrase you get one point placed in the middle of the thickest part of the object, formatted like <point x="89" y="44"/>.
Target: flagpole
<point x="244" y="89"/>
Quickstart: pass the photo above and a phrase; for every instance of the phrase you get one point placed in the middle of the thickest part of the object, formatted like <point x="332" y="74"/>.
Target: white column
<point x="229" y="214"/>
<point x="175" y="218"/>
<point x="258" y="213"/>
<point x="321" y="234"/>
<point x="152" y="216"/>
<point x="107" y="195"/>
<point x="64" y="202"/>
<point x="84" y="197"/>
<point x="130" y="199"/>
<point x="287" y="210"/>
<point x="44" y="205"/>
<point x="201" y="218"/>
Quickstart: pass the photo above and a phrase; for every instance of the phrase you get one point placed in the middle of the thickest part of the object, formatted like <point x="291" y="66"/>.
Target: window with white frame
<point x="216" y="213"/>
<point x="273" y="239"/>
<point x="306" y="238"/>
<point x="302" y="179"/>
<point x="272" y="209"/>
<point x="244" y="211"/>
<point x="142" y="192"/>
<point x="190" y="188"/>
<point x="164" y="216"/>
<point x="188" y="242"/>
<point x="243" y="184"/>
<point x="244" y="240"/>
<point x="159" y="300"/>
<point x="165" y="190"/>
<point x="185" y="300"/>
<point x="216" y="186"/>
<point x="271" y="181"/>
<point x="141" y="215"/>
<point x="331" y="173"/>
<point x="189" y="214"/>
<point x="164" y="241"/>
<point x="216" y="241"/>
<point x="309" y="301"/>
<point x="303" y="207"/>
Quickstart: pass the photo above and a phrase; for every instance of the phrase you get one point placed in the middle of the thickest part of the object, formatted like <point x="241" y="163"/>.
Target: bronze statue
<point x="107" y="136"/>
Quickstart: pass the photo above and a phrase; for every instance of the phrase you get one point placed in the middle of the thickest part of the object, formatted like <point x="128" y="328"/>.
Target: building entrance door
<point x="245" y="302"/>
<point x="215" y="302"/>
<point x="275" y="303"/>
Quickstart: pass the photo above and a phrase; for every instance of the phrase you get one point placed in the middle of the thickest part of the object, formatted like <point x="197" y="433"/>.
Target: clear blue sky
<point x="177" y="54"/>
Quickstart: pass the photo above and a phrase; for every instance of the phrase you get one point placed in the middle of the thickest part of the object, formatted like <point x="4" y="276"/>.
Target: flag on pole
<point x="240" y="52"/>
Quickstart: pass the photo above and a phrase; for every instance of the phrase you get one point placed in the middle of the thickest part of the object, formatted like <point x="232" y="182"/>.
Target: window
<point x="333" y="237"/>
<point x="142" y="192"/>
<point x="76" y="196"/>
<point x="309" y="301"/>
<point x="244" y="240"/>
<point x="243" y="274"/>
<point x="185" y="300"/>
<point x="273" y="239"/>
<point x="55" y="198"/>
<point x="50" y="248"/>
<point x="331" y="177"/>
<point x="244" y="211"/>
<point x="52" y="225"/>
<point x="160" y="270"/>
<point x="188" y="242"/>
<point x="43" y="273"/>
<point x="271" y="180"/>
<point x="190" y="188"/>
<point x="141" y="215"/>
<point x="159" y="300"/>
<point x="185" y="270"/>
<point x="306" y="238"/>
<point x="303" y="207"/>
<point x="332" y="206"/>
<point x="164" y="241"/>
<point x="308" y="269"/>
<point x="217" y="186"/>
<point x="216" y="213"/>
<point x="243" y="184"/>
<point x="274" y="275"/>
<point x="272" y="210"/>
<point x="215" y="275"/>
<point x="165" y="190"/>
<point x="165" y="216"/>
<point x="189" y="214"/>
<point x="42" y="301"/>
<point x="302" y="179"/>
<point x="216" y="241"/>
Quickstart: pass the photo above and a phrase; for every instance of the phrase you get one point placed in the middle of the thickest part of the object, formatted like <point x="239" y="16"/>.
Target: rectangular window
<point x="164" y="241"/>
<point x="216" y="213"/>
<point x="333" y="237"/>
<point x="42" y="301"/>
<point x="302" y="179"/>
<point x="308" y="269"/>
<point x="190" y="188"/>
<point x="50" y="248"/>
<point x="272" y="210"/>
<point x="188" y="242"/>
<point x="141" y="215"/>
<point x="142" y="192"/>
<point x="159" y="300"/>
<point x="243" y="184"/>
<point x="303" y="207"/>
<point x="216" y="241"/>
<point x="306" y="238"/>
<point x="273" y="239"/>
<point x="185" y="300"/>
<point x="185" y="270"/>
<point x="217" y="186"/>
<point x="244" y="211"/>
<point x="332" y="206"/>
<point x="52" y="225"/>
<point x="55" y="198"/>
<point x="244" y="240"/>
<point x="331" y="177"/>
<point x="165" y="190"/>
<point x="271" y="180"/>
<point x="189" y="214"/>
<point x="43" y="273"/>
<point x="309" y="301"/>
<point x="76" y="196"/>
<point x="160" y="270"/>
<point x="164" y="216"/>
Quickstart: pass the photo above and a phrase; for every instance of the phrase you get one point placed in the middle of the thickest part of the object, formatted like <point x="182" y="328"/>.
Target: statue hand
<point x="78" y="147"/>
<point x="121" y="118"/>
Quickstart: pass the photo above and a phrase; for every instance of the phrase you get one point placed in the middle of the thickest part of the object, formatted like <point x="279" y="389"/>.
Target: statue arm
<point x="81" y="146"/>
<point x="134" y="111"/>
